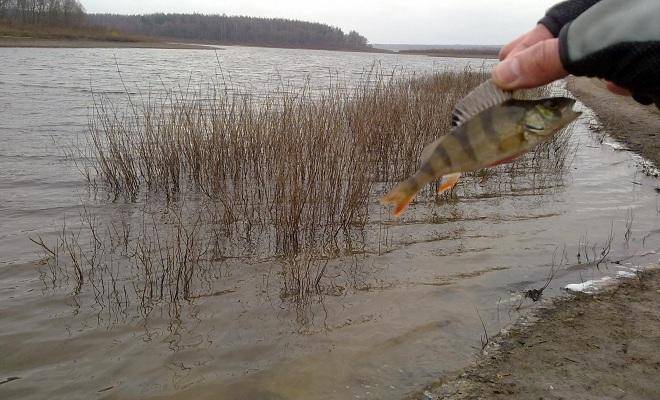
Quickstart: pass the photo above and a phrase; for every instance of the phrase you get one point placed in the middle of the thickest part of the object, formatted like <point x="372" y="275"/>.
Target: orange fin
<point x="448" y="182"/>
<point x="402" y="206"/>
<point x="400" y="198"/>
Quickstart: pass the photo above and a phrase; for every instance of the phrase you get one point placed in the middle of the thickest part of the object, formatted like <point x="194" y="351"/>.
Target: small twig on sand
<point x="536" y="294"/>
<point x="11" y="378"/>
<point x="485" y="339"/>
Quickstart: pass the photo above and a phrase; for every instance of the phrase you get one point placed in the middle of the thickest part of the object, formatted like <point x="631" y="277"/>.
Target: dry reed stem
<point x="302" y="164"/>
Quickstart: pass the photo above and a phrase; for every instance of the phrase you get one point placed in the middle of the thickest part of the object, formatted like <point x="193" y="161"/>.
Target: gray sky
<point x="381" y="21"/>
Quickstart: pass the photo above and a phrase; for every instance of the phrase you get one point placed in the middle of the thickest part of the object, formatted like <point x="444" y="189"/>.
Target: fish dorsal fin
<point x="480" y="98"/>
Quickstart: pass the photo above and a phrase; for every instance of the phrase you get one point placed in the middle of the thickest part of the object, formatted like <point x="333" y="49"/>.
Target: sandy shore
<point x="602" y="346"/>
<point x="61" y="43"/>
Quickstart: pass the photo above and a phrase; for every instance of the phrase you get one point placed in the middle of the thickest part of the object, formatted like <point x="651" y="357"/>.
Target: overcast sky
<point x="381" y="21"/>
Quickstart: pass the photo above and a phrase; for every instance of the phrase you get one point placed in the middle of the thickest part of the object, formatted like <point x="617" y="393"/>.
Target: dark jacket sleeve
<point x="563" y="13"/>
<point x="618" y="41"/>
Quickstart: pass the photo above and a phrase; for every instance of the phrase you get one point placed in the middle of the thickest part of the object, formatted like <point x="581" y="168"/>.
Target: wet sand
<point x="602" y="346"/>
<point x="92" y="44"/>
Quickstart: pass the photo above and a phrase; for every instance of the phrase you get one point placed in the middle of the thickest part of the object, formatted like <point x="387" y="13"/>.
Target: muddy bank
<point x="602" y="346"/>
<point x="621" y="117"/>
<point x="92" y="44"/>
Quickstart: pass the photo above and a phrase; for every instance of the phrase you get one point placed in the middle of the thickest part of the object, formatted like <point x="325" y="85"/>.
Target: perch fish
<point x="489" y="127"/>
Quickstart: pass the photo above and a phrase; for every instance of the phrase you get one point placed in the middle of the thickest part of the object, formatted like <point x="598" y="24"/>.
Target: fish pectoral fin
<point x="448" y="182"/>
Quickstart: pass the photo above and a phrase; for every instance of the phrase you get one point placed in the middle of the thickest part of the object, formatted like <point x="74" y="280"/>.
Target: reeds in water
<point x="299" y="165"/>
<point x="290" y="175"/>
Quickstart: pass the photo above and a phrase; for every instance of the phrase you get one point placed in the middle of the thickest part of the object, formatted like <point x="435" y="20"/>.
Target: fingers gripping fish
<point x="489" y="128"/>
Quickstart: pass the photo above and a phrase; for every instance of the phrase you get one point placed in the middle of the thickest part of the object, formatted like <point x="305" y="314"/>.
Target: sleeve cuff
<point x="552" y="24"/>
<point x="563" y="48"/>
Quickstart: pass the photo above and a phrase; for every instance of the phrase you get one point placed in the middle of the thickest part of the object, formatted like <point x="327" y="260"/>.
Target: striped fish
<point x="489" y="128"/>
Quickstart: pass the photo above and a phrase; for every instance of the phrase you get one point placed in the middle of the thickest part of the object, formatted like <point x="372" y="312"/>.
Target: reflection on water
<point x="163" y="301"/>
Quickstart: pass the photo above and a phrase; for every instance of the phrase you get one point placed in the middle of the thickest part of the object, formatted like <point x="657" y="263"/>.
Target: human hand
<point x="533" y="60"/>
<point x="529" y="61"/>
<point x="538" y="34"/>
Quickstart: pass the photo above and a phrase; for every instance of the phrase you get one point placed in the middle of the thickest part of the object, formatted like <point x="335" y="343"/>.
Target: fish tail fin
<point x="400" y="197"/>
<point x="448" y="182"/>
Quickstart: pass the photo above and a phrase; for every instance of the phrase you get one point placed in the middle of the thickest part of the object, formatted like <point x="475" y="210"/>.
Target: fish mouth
<point x="569" y="113"/>
<point x="574" y="114"/>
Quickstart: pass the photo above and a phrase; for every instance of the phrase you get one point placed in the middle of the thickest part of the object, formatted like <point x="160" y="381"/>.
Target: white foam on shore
<point x="588" y="286"/>
<point x="594" y="285"/>
<point x="615" y="145"/>
<point x="625" y="274"/>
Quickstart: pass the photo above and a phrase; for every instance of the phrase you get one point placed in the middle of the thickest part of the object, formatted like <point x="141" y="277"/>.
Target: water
<point x="408" y="317"/>
<point x="45" y="99"/>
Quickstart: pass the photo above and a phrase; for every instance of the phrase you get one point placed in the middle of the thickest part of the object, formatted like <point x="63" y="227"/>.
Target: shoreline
<point x="621" y="117"/>
<point x="584" y="346"/>
<point x="29" y="42"/>
<point x="33" y="42"/>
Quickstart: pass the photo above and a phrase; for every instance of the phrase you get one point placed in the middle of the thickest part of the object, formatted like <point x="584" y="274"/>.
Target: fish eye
<point x="551" y="103"/>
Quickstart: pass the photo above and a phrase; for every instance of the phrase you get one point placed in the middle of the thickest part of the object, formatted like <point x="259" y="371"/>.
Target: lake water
<point x="46" y="95"/>
<point x="416" y="318"/>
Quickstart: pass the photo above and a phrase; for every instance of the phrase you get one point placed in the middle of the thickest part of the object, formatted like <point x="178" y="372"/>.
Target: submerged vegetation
<point x="203" y="178"/>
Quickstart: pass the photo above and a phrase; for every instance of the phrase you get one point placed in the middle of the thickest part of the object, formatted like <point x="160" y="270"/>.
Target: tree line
<point x="43" y="12"/>
<point x="225" y="29"/>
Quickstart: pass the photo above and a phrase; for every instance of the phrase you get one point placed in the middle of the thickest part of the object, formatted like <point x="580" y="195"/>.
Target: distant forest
<point x="43" y="12"/>
<point x="39" y="16"/>
<point x="225" y="29"/>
